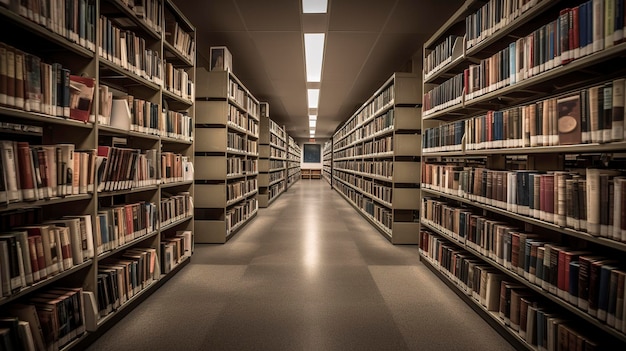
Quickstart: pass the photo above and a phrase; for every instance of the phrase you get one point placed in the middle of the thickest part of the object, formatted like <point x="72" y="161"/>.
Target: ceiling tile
<point x="410" y="16"/>
<point x="212" y="15"/>
<point x="345" y="54"/>
<point x="275" y="15"/>
<point x="359" y="15"/>
<point x="281" y="54"/>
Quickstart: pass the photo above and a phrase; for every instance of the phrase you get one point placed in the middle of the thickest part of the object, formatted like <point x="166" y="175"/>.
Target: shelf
<point x="128" y="16"/>
<point x="170" y="95"/>
<point x="119" y="76"/>
<point x="534" y="87"/>
<point x="175" y="223"/>
<point x="366" y="175"/>
<point x="111" y="131"/>
<point x="581" y="235"/>
<point x="233" y="230"/>
<point x="38" y="203"/>
<point x="490" y="317"/>
<point x="42" y="119"/>
<point x="125" y="246"/>
<point x="128" y="191"/>
<point x="539" y="290"/>
<point x="45" y="33"/>
<point x="179" y="59"/>
<point x="45" y="282"/>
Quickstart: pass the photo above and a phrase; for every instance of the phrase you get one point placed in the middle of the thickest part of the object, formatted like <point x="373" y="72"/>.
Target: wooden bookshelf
<point x="227" y="156"/>
<point x="273" y="155"/>
<point x="457" y="146"/>
<point x="327" y="161"/>
<point x="154" y="201"/>
<point x="375" y="159"/>
<point x="294" y="157"/>
<point x="310" y="173"/>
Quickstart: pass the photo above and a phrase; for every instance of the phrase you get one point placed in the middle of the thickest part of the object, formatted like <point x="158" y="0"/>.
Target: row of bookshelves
<point x="513" y="147"/>
<point x="526" y="319"/>
<point x="378" y="141"/>
<point x="227" y="155"/>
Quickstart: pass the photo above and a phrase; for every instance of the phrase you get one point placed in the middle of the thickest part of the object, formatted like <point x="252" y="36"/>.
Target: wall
<point x="308" y="165"/>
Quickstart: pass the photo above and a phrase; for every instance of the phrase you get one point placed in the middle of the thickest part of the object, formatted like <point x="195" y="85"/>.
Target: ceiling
<point x="366" y="41"/>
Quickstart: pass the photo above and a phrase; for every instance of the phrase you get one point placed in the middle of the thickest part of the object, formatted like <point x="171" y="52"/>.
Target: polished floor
<point x="309" y="273"/>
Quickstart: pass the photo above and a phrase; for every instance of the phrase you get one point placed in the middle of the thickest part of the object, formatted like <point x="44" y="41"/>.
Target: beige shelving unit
<point x="80" y="53"/>
<point x="376" y="159"/>
<point x="273" y="151"/>
<point x="327" y="161"/>
<point x="451" y="52"/>
<point x="227" y="156"/>
<point x="294" y="156"/>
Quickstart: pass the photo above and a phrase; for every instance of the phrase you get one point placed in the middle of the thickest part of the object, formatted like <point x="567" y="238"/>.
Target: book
<point x="617" y="112"/>
<point x="569" y="121"/>
<point x="28" y="314"/>
<point x="81" y="97"/>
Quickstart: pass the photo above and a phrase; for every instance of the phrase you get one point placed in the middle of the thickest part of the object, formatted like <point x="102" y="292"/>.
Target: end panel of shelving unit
<point x="264" y="151"/>
<point x="407" y="118"/>
<point x="264" y="200"/>
<point x="406" y="199"/>
<point x="405" y="233"/>
<point x="407" y="172"/>
<point x="407" y="144"/>
<point x="211" y="84"/>
<point x="264" y="163"/>
<point x="211" y="140"/>
<point x="263" y="179"/>
<point x="210" y="167"/>
<point x="408" y="89"/>
<point x="212" y="112"/>
<point x="213" y="196"/>
<point x="210" y="232"/>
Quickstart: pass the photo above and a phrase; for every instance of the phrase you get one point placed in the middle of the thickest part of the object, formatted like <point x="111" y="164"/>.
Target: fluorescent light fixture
<point x="314" y="52"/>
<point x="314" y="96"/>
<point x="314" y="6"/>
<point x="312" y="117"/>
<point x="312" y="124"/>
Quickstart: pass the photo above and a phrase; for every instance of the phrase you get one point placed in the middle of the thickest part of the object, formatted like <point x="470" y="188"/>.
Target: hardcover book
<point x="81" y="97"/>
<point x="569" y="128"/>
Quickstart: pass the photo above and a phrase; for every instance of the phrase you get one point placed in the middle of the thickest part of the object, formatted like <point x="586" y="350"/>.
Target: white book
<point x="9" y="165"/>
<point x="26" y="336"/>
<point x="593" y="201"/>
<point x="617" y="125"/>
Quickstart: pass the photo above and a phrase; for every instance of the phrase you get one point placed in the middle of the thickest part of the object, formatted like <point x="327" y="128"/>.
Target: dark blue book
<point x="603" y="290"/>
<point x="582" y="25"/>
<point x="574" y="268"/>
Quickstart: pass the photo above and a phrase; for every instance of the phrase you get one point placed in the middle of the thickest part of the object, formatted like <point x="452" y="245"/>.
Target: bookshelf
<point x="294" y="157"/>
<point x="522" y="153"/>
<point x="227" y="156"/>
<point x="273" y="163"/>
<point x="99" y="150"/>
<point x="375" y="159"/>
<point x="310" y="173"/>
<point x="327" y="161"/>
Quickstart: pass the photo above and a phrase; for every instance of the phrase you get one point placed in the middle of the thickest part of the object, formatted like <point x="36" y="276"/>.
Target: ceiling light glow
<point x="314" y="6"/>
<point x="314" y="96"/>
<point x="312" y="124"/>
<point x="314" y="53"/>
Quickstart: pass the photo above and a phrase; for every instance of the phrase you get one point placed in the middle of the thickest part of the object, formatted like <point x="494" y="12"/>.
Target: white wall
<point x="308" y="165"/>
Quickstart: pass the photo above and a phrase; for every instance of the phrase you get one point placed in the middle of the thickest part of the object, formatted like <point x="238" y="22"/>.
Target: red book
<point x="34" y="260"/>
<point x="81" y="97"/>
<point x="25" y="170"/>
<point x="574" y="29"/>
